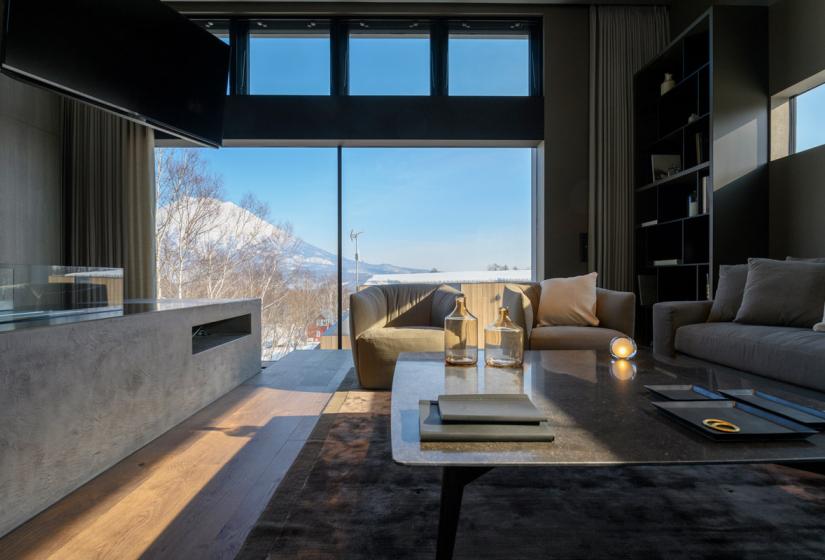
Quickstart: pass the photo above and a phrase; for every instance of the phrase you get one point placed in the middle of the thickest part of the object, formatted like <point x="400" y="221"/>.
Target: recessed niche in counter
<point x="214" y="334"/>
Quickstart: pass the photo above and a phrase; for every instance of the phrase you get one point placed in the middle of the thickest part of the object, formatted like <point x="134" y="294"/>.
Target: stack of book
<point x="482" y="418"/>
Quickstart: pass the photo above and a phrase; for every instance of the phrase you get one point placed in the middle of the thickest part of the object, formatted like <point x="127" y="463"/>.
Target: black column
<point x="239" y="62"/>
<point x="439" y="58"/>
<point x="339" y="58"/>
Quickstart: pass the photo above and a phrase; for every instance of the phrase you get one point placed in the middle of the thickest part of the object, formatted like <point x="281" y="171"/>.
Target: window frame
<point x="340" y="27"/>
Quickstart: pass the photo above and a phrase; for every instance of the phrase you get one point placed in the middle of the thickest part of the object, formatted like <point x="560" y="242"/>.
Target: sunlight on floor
<point x="151" y="490"/>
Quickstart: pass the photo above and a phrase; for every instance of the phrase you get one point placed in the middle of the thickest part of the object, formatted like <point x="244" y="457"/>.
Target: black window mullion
<point x="439" y="58"/>
<point x="339" y="57"/>
<point x="536" y="46"/>
<point x="239" y="64"/>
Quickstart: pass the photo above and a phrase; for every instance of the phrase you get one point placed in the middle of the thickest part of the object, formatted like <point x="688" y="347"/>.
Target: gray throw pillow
<point x="783" y="293"/>
<point x="729" y="294"/>
<point x="820" y="260"/>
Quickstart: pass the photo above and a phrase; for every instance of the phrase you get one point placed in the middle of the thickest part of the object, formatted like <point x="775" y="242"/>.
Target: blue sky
<point x="810" y="116"/>
<point x="448" y="208"/>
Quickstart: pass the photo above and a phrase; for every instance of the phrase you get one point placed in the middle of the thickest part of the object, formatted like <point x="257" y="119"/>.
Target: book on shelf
<point x="705" y="194"/>
<point x="667" y="262"/>
<point x="650" y="223"/>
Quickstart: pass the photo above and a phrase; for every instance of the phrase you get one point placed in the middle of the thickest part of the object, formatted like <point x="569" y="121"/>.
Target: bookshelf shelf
<point x="681" y="217"/>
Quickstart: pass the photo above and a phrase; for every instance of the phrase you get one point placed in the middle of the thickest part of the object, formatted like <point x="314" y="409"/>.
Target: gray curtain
<point x="109" y="189"/>
<point x="622" y="40"/>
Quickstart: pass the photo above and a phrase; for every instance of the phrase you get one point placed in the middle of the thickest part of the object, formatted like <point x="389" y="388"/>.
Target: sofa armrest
<point x="443" y="304"/>
<point x="668" y="317"/>
<point x="616" y="310"/>
<point x="367" y="310"/>
<point x="520" y="309"/>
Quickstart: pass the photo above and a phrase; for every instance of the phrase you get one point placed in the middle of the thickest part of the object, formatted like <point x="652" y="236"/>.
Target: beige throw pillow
<point x="569" y="301"/>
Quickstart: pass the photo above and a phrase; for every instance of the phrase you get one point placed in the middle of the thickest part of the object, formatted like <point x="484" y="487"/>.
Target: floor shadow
<point x="215" y="522"/>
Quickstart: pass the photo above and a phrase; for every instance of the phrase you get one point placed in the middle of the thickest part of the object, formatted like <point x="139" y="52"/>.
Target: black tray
<point x="796" y="412"/>
<point x="685" y="392"/>
<point x="755" y="424"/>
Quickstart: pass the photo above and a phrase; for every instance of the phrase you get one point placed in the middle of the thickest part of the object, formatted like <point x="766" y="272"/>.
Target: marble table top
<point x="601" y="414"/>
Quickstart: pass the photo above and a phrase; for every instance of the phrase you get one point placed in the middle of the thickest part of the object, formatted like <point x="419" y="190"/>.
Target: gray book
<point x="432" y="429"/>
<point x="489" y="408"/>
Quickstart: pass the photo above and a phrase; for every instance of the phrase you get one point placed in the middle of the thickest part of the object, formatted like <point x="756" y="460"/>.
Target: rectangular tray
<point x="685" y="392"/>
<point x="432" y="429"/>
<point x="796" y="412"/>
<point x="755" y="424"/>
<point x="489" y="408"/>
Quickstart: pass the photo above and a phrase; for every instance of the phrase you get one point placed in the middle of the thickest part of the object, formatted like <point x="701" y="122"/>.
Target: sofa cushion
<point x="378" y="350"/>
<point x="732" y="279"/>
<point x="572" y="338"/>
<point x="784" y="293"/>
<point x="785" y="353"/>
<point x="568" y="301"/>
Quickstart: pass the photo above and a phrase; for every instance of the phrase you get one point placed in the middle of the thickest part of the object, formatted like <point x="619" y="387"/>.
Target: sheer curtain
<point x="622" y="40"/>
<point x="108" y="176"/>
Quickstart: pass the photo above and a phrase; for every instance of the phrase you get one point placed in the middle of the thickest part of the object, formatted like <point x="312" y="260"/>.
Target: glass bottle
<point x="461" y="335"/>
<point x="504" y="342"/>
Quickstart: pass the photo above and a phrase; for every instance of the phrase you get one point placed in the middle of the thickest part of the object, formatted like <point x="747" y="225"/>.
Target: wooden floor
<point x="196" y="491"/>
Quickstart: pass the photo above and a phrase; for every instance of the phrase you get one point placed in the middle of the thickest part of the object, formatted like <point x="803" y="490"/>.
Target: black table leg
<point x="453" y="481"/>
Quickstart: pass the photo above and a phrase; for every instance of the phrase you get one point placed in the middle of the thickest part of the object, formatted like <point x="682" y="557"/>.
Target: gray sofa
<point x="616" y="312"/>
<point x="790" y="354"/>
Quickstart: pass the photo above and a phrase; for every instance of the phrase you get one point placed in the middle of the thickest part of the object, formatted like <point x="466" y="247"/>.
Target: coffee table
<point x="600" y="413"/>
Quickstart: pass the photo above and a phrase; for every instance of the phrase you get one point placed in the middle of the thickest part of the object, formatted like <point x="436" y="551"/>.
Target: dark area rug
<point x="345" y="498"/>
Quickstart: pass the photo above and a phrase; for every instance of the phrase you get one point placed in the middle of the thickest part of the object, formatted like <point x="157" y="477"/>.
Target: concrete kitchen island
<point x="78" y="394"/>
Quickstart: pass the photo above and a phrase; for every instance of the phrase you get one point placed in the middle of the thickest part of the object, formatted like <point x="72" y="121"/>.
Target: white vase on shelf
<point x="668" y="84"/>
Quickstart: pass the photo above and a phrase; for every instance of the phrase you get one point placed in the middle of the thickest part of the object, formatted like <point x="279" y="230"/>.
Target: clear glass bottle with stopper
<point x="461" y="335"/>
<point x="503" y="342"/>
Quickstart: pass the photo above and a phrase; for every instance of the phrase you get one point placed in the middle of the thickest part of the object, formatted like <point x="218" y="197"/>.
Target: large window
<point x="448" y="215"/>
<point x="489" y="59"/>
<point x="387" y="58"/>
<point x="252" y="223"/>
<point x="263" y="223"/>
<point x="289" y="57"/>
<point x="809" y="119"/>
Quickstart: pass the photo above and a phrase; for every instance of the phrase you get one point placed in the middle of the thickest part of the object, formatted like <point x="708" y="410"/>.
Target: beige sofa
<point x="616" y="312"/>
<point x="388" y="320"/>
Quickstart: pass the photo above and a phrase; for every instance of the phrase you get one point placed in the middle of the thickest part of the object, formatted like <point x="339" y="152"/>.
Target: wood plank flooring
<point x="196" y="491"/>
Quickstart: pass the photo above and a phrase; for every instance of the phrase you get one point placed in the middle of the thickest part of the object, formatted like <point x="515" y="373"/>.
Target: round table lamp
<point x="623" y="348"/>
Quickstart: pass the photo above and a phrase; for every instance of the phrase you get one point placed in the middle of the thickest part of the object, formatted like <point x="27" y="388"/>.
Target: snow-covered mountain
<point x="231" y="221"/>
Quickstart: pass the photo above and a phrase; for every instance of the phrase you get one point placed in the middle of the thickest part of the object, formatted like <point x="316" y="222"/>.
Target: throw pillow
<point x="783" y="293"/>
<point x="732" y="279"/>
<point x="568" y="301"/>
<point x="820" y="327"/>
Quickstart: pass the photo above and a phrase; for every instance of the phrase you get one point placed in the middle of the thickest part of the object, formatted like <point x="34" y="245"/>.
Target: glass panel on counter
<point x="30" y="292"/>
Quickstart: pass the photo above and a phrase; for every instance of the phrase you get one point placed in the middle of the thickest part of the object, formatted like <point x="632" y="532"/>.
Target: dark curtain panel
<point x="622" y="40"/>
<point x="108" y="176"/>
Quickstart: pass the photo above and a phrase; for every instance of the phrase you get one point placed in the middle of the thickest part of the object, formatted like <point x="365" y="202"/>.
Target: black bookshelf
<point x="719" y="66"/>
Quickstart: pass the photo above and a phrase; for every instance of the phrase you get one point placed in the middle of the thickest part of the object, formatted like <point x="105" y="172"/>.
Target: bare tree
<point x="208" y="248"/>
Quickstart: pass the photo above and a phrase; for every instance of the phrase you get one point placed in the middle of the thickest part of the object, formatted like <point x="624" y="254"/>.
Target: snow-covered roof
<point x="464" y="277"/>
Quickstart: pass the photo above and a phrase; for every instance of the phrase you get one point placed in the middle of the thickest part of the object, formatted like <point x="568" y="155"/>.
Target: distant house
<point x="317" y="328"/>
